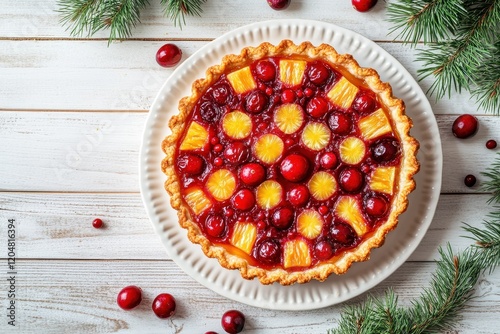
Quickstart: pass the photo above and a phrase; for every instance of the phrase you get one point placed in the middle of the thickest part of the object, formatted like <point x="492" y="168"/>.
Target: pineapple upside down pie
<point x="289" y="162"/>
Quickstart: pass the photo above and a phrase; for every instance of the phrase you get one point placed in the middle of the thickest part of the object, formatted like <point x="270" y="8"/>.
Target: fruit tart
<point x="289" y="162"/>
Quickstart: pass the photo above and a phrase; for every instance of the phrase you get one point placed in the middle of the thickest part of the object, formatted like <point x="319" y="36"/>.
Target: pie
<point x="289" y="162"/>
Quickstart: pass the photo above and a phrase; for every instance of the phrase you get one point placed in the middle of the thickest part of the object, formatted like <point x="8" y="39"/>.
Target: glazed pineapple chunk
<point x="268" y="148"/>
<point x="269" y="194"/>
<point x="289" y="118"/>
<point x="348" y="210"/>
<point x="196" y="137"/>
<point x="197" y="200"/>
<point x="237" y="124"/>
<point x="382" y="179"/>
<point x="322" y="186"/>
<point x="292" y="71"/>
<point x="244" y="235"/>
<point x="316" y="136"/>
<point x="309" y="224"/>
<point x="352" y="150"/>
<point x="374" y="125"/>
<point x="296" y="254"/>
<point x="221" y="184"/>
<point x="343" y="93"/>
<point x="242" y="80"/>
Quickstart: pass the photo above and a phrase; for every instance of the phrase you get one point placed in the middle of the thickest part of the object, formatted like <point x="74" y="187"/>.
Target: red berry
<point x="376" y="206"/>
<point x="252" y="174"/>
<point x="269" y="251"/>
<point x="323" y="209"/>
<point x="168" y="55"/>
<point x="328" y="160"/>
<point x="465" y="126"/>
<point x="287" y="96"/>
<point x="129" y="297"/>
<point x="282" y="218"/>
<point x="364" y="103"/>
<point x="214" y="140"/>
<point x="218" y="162"/>
<point x="215" y="226"/>
<point x="228" y="212"/>
<point x="317" y="107"/>
<point x="265" y="70"/>
<point x="97" y="223"/>
<point x="256" y="101"/>
<point x="233" y="321"/>
<point x="384" y="150"/>
<point x="470" y="180"/>
<point x="208" y="112"/>
<point x="217" y="148"/>
<point x="220" y="93"/>
<point x="351" y="179"/>
<point x="299" y="195"/>
<point x="243" y="200"/>
<point x="278" y="4"/>
<point x="491" y="144"/>
<point x="318" y="74"/>
<point x="323" y="250"/>
<point x="211" y="332"/>
<point x="294" y="167"/>
<point x="308" y="92"/>
<point x="164" y="305"/>
<point x="363" y="5"/>
<point x="191" y="164"/>
<point x="236" y="153"/>
<point x="342" y="233"/>
<point x="340" y="123"/>
<point x="269" y="91"/>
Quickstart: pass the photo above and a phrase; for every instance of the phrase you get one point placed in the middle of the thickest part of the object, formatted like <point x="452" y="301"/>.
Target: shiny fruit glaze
<point x="251" y="172"/>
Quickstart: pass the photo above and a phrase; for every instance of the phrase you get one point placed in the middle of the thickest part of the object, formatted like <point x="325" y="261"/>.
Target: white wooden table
<point x="71" y="117"/>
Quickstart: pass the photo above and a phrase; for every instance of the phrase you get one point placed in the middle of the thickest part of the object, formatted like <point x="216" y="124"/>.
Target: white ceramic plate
<point x="362" y="276"/>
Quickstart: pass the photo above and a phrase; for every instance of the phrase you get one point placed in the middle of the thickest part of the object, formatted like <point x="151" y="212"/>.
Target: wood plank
<point x="99" y="151"/>
<point x="58" y="226"/>
<point x="76" y="296"/>
<point x="89" y="75"/>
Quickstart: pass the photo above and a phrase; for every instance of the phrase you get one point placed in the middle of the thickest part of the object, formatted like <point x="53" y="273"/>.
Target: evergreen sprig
<point x="462" y="39"/>
<point x="452" y="284"/>
<point x="86" y="17"/>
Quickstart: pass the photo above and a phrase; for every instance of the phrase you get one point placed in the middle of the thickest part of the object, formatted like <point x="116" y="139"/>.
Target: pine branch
<point x="492" y="182"/>
<point x="177" y="9"/>
<point x="487" y="90"/>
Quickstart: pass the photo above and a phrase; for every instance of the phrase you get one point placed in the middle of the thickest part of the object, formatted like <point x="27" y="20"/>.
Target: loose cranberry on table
<point x="465" y="126"/>
<point x="97" y="223"/>
<point x="168" y="55"/>
<point x="233" y="321"/>
<point x="491" y="144"/>
<point x="164" y="305"/>
<point x="129" y="297"/>
<point x="363" y="5"/>
<point x="278" y="4"/>
<point x="470" y="180"/>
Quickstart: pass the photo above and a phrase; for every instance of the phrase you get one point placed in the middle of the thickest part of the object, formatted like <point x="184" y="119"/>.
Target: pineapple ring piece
<point x="275" y="158"/>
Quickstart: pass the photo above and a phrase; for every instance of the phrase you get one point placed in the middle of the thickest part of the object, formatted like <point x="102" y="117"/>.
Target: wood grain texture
<point x="80" y="297"/>
<point x="58" y="226"/>
<point x="99" y="152"/>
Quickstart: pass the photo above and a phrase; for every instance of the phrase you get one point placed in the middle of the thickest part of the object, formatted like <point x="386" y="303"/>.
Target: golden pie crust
<point x="409" y="165"/>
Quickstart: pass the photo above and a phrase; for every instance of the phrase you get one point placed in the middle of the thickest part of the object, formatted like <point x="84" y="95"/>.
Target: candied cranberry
<point x="376" y="206"/>
<point x="470" y="180"/>
<point x="323" y="209"/>
<point x="228" y="212"/>
<point x="384" y="150"/>
<point x="364" y="103"/>
<point x="233" y="321"/>
<point x="252" y="174"/>
<point x="465" y="126"/>
<point x="265" y="70"/>
<point x="318" y="74"/>
<point x="168" y="55"/>
<point x="269" y="91"/>
<point x="340" y="123"/>
<point x="299" y="195"/>
<point x="129" y="297"/>
<point x="164" y="305"/>
<point x="208" y="112"/>
<point x="363" y="5"/>
<point x="269" y="251"/>
<point x="256" y="101"/>
<point x="491" y="144"/>
<point x="215" y="226"/>
<point x="97" y="223"/>
<point x="191" y="164"/>
<point x="218" y="162"/>
<point x="328" y="160"/>
<point x="317" y="107"/>
<point x="236" y="153"/>
<point x="308" y="92"/>
<point x="220" y="93"/>
<point x="282" y="218"/>
<point x="217" y="148"/>
<point x="294" y="167"/>
<point x="342" y="233"/>
<point x="287" y="96"/>
<point x="244" y="200"/>
<point x="351" y="179"/>
<point x="323" y="250"/>
<point x="214" y="140"/>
